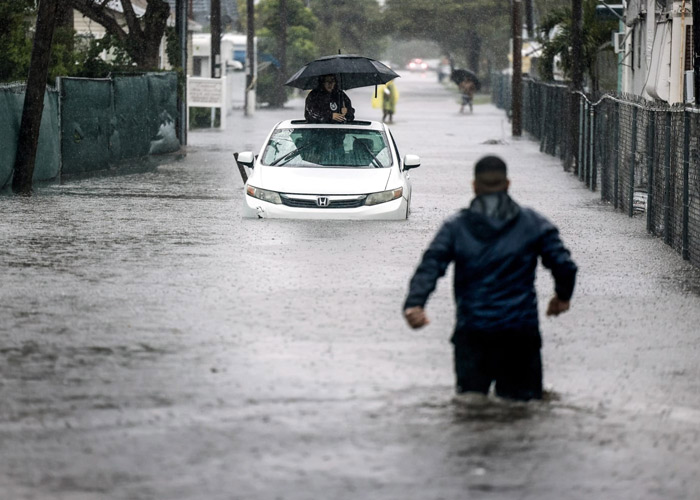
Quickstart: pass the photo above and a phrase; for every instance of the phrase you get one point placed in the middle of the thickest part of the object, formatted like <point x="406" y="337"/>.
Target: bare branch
<point x="131" y="20"/>
<point x="101" y="15"/>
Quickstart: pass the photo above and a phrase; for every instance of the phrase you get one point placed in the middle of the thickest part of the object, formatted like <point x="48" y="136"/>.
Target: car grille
<point x="311" y="201"/>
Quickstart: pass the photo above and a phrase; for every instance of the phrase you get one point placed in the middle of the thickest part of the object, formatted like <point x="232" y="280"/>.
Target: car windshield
<point x="327" y="147"/>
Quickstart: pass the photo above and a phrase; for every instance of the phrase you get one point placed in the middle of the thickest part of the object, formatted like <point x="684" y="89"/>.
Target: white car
<point x="328" y="171"/>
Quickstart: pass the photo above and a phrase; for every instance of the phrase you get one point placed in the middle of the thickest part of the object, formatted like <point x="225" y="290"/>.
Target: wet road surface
<point x="153" y="345"/>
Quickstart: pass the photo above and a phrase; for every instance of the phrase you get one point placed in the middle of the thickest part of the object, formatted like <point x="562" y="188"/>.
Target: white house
<point x="233" y="53"/>
<point x="656" y="47"/>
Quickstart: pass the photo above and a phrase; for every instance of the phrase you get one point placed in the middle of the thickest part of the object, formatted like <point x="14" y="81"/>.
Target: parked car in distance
<point x="328" y="171"/>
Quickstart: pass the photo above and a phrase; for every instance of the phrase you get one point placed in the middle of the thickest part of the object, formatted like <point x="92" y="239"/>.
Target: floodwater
<point x="153" y="345"/>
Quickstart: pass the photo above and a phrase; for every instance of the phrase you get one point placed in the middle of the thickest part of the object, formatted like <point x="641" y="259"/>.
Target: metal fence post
<point x="686" y="168"/>
<point x="667" y="182"/>
<point x="616" y="168"/>
<point x="633" y="161"/>
<point x="583" y="164"/>
<point x="544" y="109"/>
<point x="591" y="146"/>
<point x="581" y="120"/>
<point x="651" y="146"/>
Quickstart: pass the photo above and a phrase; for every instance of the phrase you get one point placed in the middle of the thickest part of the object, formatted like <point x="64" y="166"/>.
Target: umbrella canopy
<point x="352" y="71"/>
<point x="459" y="75"/>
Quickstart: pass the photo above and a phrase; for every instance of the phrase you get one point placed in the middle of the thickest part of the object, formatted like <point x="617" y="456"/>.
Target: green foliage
<point x="351" y="26"/>
<point x="65" y="60"/>
<point x="201" y="117"/>
<point x="15" y="44"/>
<point x="555" y="35"/>
<point x="172" y="47"/>
<point x="92" y="65"/>
<point x="301" y="24"/>
<point x="70" y="55"/>
<point x="470" y="31"/>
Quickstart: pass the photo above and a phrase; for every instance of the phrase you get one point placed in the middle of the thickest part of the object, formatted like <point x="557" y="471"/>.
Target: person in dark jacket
<point x="495" y="245"/>
<point x="327" y="104"/>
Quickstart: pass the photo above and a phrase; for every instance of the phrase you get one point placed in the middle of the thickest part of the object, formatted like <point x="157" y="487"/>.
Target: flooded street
<point x="154" y="345"/>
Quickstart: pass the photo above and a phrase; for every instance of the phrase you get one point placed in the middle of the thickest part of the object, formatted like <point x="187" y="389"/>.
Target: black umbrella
<point x="459" y="75"/>
<point x="352" y="71"/>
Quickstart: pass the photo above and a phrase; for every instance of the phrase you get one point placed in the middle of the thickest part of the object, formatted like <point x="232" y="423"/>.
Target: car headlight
<point x="264" y="195"/>
<point x="384" y="196"/>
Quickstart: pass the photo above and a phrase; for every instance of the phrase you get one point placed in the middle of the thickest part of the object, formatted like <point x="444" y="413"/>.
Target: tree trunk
<point x="474" y="52"/>
<point x="215" y="47"/>
<point x="141" y="37"/>
<point x="34" y="99"/>
<point x="64" y="15"/>
<point x="282" y="74"/>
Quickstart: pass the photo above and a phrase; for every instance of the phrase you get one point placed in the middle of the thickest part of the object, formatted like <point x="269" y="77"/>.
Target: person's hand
<point x="557" y="306"/>
<point x="338" y="117"/>
<point x="415" y="317"/>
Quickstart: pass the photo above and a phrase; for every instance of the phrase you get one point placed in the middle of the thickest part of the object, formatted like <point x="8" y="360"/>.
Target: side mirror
<point x="411" y="161"/>
<point x="246" y="158"/>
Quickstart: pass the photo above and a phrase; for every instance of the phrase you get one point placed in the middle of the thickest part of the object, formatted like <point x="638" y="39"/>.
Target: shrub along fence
<point x="643" y="156"/>
<point x="90" y="125"/>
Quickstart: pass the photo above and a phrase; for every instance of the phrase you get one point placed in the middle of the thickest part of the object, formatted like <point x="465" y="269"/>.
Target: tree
<point x="556" y="39"/>
<point x="470" y="31"/>
<point x="351" y="26"/>
<point x="15" y="45"/>
<point x="300" y="48"/>
<point x="140" y="37"/>
<point x="34" y="98"/>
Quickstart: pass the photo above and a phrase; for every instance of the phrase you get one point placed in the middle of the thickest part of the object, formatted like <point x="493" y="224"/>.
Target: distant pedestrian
<point x="386" y="97"/>
<point x="495" y="245"/>
<point x="390" y="97"/>
<point x="466" y="91"/>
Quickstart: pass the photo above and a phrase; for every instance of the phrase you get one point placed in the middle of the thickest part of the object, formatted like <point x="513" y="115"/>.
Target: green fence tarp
<point x="87" y="124"/>
<point x="135" y="126"/>
<point x="103" y="122"/>
<point x="110" y="121"/>
<point x="48" y="160"/>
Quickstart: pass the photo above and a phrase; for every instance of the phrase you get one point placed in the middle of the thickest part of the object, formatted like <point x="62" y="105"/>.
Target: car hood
<point x="331" y="180"/>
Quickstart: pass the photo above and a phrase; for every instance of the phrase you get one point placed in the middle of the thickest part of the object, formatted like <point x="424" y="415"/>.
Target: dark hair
<point x="490" y="175"/>
<point x="490" y="164"/>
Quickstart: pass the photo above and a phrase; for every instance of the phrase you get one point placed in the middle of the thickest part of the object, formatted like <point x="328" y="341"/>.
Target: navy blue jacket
<point x="320" y="106"/>
<point x="495" y="245"/>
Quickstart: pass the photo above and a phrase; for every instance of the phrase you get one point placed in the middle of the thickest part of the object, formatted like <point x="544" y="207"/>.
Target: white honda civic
<point x="328" y="171"/>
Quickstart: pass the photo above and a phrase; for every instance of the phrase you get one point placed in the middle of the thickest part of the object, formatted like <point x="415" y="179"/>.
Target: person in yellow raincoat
<point x="386" y="97"/>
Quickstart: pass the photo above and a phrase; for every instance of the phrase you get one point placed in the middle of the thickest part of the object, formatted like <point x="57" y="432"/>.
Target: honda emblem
<point x="323" y="201"/>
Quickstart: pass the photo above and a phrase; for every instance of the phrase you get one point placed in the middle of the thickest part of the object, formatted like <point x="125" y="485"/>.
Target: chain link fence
<point x="643" y="157"/>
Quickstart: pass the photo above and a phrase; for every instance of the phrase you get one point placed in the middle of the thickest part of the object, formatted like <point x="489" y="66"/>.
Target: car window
<point x="327" y="147"/>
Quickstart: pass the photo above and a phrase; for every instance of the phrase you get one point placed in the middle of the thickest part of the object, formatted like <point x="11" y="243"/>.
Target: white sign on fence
<point x="207" y="93"/>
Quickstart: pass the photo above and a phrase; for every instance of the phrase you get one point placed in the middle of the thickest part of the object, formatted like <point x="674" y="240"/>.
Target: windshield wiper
<point x="291" y="154"/>
<point x="375" y="161"/>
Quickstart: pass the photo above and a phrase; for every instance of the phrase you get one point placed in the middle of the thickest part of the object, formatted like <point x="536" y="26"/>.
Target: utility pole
<point x="34" y="99"/>
<point x="181" y="27"/>
<point x="529" y="19"/>
<point x="696" y="50"/>
<point x="215" y="28"/>
<point x="517" y="81"/>
<point x="250" y="59"/>
<point x="282" y="75"/>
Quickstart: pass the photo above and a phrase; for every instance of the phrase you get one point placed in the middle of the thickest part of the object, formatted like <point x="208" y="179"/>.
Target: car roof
<point x="357" y="124"/>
